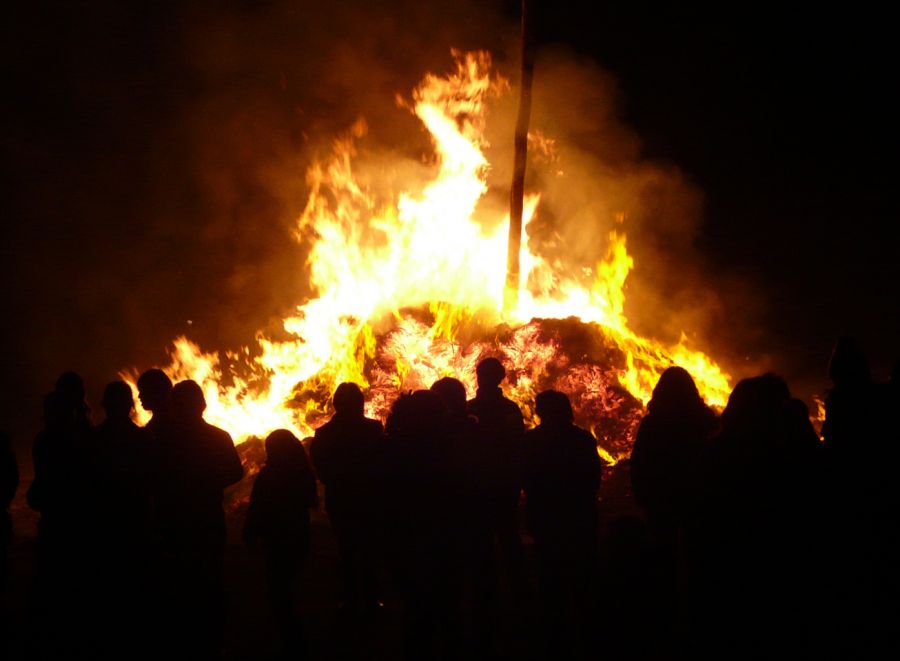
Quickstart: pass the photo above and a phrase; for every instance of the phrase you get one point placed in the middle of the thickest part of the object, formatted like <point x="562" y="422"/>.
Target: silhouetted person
<point x="155" y="393"/>
<point x="861" y="440"/>
<point x="345" y="453"/>
<point x="71" y="386"/>
<point x="464" y="539"/>
<point x="561" y="477"/>
<point x="460" y="438"/>
<point x="119" y="464"/>
<point x="278" y="516"/>
<point x="748" y="569"/>
<point x="677" y="427"/>
<point x="115" y="514"/>
<point x="499" y="448"/>
<point x="418" y="485"/>
<point x="57" y="454"/>
<point x="849" y="430"/>
<point x="198" y="460"/>
<point x="58" y="492"/>
<point x="9" y="482"/>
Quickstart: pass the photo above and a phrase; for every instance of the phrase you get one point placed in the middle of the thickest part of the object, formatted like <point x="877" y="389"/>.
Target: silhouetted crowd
<point x="755" y="538"/>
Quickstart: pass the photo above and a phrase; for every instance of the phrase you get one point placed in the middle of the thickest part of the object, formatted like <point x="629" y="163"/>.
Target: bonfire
<point x="411" y="285"/>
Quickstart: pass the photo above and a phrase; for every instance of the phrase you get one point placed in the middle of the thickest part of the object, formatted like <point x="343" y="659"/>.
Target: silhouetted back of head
<point x="675" y="392"/>
<point x="284" y="450"/>
<point x="154" y="389"/>
<point x="71" y="386"/>
<point x="776" y="388"/>
<point x="554" y="408"/>
<point x="416" y="415"/>
<point x="490" y="373"/>
<point x="348" y="400"/>
<point x="848" y="366"/>
<point x="755" y="405"/>
<point x="188" y="402"/>
<point x="453" y="396"/>
<point x="117" y="400"/>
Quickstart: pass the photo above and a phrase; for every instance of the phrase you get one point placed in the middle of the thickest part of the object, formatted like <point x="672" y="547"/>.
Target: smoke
<point x="594" y="179"/>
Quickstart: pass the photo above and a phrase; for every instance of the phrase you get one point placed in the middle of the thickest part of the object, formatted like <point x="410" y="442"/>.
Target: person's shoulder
<point x="373" y="425"/>
<point x="575" y="436"/>
<point x="582" y="435"/>
<point x="217" y="433"/>
<point x="650" y="427"/>
<point x="510" y="406"/>
<point x="263" y="477"/>
<point x="537" y="436"/>
<point x="325" y="430"/>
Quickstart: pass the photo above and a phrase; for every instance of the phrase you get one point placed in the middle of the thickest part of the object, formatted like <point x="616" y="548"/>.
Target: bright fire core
<point x="410" y="288"/>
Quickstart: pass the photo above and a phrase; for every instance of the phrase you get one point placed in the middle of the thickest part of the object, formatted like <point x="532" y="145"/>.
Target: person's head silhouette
<point x="117" y="400"/>
<point x="553" y="408"/>
<point x="70" y="387"/>
<point x="154" y="390"/>
<point x="490" y="373"/>
<point x="188" y="402"/>
<point x="675" y="392"/>
<point x="348" y="400"/>
<point x="283" y="450"/>
<point x="453" y="396"/>
<point x="848" y="366"/>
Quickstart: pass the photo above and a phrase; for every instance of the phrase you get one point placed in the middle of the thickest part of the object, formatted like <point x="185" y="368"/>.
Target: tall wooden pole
<point x="517" y="190"/>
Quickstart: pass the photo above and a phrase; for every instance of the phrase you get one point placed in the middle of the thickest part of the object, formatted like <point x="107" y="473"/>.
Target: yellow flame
<point x="373" y="262"/>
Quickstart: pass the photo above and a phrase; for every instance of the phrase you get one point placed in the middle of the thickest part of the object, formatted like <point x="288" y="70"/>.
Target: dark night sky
<point x="121" y="119"/>
<point x="788" y="123"/>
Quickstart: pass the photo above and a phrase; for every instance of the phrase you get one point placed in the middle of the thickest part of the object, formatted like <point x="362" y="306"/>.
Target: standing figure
<point x="119" y="477"/>
<point x="116" y="511"/>
<point x="861" y="453"/>
<point x="58" y="493"/>
<point x="278" y="515"/>
<point x="500" y="426"/>
<point x="676" y="429"/>
<point x="561" y="476"/>
<point x="345" y="453"/>
<point x="745" y="569"/>
<point x="418" y="487"/>
<point x="196" y="462"/>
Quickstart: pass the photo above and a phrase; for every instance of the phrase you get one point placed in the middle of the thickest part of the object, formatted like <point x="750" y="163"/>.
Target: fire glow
<point x="410" y="288"/>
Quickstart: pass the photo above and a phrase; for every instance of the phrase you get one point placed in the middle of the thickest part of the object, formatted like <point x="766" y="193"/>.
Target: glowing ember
<point x="410" y="288"/>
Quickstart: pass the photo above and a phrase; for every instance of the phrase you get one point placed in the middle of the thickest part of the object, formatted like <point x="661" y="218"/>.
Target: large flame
<point x="410" y="289"/>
